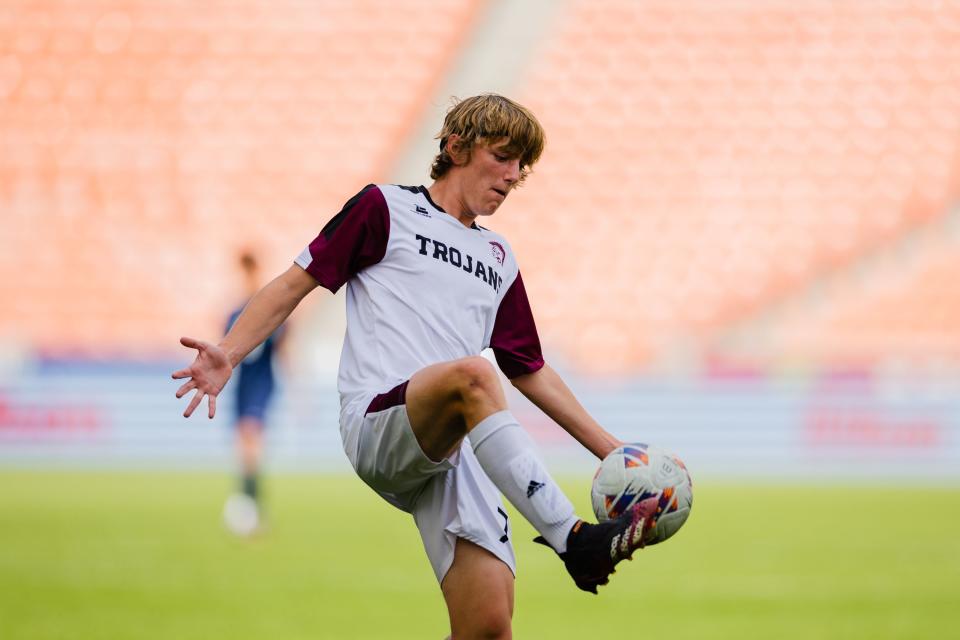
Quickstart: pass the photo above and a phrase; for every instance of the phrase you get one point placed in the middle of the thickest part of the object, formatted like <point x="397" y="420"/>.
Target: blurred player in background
<point x="424" y="419"/>
<point x="253" y="390"/>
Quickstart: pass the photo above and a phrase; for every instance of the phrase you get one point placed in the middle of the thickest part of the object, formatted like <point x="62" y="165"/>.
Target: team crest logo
<point x="498" y="252"/>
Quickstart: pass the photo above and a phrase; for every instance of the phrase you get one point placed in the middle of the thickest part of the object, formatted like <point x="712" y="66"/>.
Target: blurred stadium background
<point x="742" y="242"/>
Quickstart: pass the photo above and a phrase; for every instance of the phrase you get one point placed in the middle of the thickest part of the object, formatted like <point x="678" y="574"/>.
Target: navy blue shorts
<point x="253" y="404"/>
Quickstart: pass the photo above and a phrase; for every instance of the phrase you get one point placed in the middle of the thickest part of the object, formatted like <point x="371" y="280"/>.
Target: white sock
<point x="508" y="456"/>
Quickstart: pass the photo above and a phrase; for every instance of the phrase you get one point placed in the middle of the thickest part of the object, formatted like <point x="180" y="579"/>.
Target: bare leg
<point x="242" y="513"/>
<point x="250" y="444"/>
<point x="447" y="400"/>
<point x="250" y="450"/>
<point x="478" y="590"/>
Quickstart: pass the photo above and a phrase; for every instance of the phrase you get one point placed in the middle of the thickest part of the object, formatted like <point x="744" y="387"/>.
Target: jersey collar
<point x="426" y="193"/>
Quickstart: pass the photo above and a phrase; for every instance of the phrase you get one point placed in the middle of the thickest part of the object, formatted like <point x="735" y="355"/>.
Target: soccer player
<point x="253" y="390"/>
<point x="423" y="416"/>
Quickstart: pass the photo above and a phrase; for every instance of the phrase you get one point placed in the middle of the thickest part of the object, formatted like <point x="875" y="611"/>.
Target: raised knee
<point x="489" y="623"/>
<point x="497" y="629"/>
<point x="476" y="375"/>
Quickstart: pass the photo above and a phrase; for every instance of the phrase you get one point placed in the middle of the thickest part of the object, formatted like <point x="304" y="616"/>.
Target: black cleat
<point x="593" y="550"/>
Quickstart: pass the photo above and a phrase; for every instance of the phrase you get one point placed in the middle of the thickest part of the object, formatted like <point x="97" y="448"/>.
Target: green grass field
<point x="143" y="555"/>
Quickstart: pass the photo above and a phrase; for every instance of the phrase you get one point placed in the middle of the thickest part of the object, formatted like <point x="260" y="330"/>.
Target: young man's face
<point x="488" y="177"/>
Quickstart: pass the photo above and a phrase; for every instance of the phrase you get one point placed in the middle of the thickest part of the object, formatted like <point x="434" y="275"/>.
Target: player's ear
<point x="458" y="150"/>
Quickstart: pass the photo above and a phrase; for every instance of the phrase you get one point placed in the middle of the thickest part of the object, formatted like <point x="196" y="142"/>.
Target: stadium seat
<point x="142" y="144"/>
<point x="706" y="161"/>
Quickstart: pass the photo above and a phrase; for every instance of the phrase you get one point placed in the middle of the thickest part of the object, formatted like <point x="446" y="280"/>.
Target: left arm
<point x="546" y="389"/>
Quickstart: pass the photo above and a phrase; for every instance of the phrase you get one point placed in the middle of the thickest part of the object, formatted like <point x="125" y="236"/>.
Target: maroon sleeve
<point x="354" y="239"/>
<point x="515" y="342"/>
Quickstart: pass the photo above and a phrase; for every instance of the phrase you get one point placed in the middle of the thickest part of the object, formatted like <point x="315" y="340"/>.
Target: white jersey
<point x="421" y="289"/>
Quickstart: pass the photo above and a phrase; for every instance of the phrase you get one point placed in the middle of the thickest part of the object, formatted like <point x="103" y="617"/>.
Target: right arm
<point x="354" y="239"/>
<point x="265" y="312"/>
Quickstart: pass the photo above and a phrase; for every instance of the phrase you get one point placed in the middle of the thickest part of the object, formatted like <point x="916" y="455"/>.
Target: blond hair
<point x="487" y="119"/>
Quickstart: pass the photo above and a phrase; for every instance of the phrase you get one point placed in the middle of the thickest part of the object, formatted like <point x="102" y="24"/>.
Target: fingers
<point x="182" y="391"/>
<point x="197" y="397"/>
<point x="192" y="384"/>
<point x="193" y="343"/>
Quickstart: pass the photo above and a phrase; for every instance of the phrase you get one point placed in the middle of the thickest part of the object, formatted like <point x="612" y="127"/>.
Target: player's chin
<point x="492" y="207"/>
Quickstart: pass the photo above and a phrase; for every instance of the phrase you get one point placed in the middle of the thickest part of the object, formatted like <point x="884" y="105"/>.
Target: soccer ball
<point x="636" y="472"/>
<point x="241" y="515"/>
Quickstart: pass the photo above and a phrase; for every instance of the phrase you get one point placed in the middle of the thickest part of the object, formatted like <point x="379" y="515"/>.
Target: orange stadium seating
<point x="708" y="163"/>
<point x="142" y="143"/>
<point x="900" y="312"/>
<point x="706" y="160"/>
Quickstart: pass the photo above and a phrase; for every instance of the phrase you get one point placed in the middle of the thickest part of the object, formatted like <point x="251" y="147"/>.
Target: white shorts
<point x="449" y="499"/>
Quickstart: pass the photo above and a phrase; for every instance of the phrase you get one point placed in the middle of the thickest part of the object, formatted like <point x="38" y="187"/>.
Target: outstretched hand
<point x="208" y="374"/>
